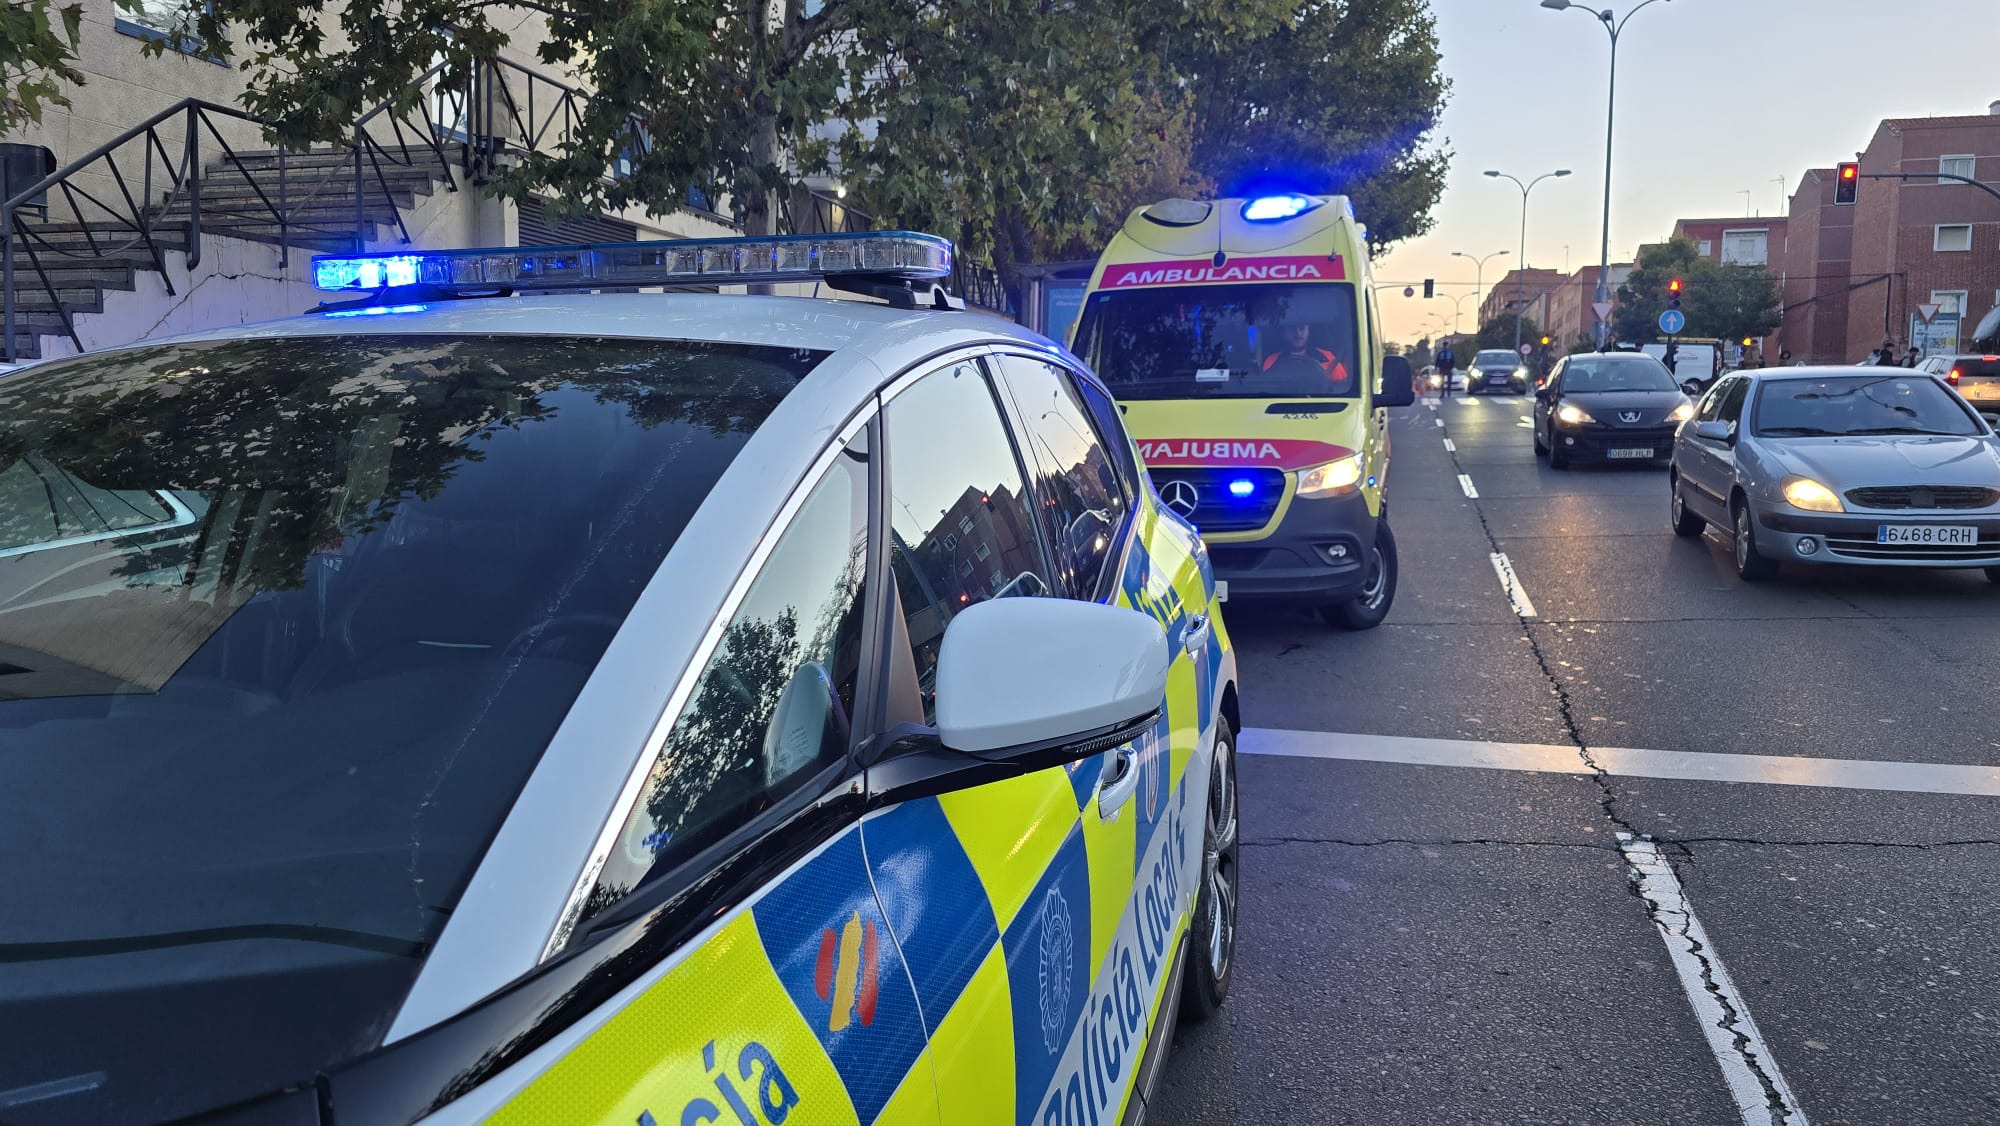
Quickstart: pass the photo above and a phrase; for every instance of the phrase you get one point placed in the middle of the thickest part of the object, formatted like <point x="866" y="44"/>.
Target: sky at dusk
<point x="1715" y="98"/>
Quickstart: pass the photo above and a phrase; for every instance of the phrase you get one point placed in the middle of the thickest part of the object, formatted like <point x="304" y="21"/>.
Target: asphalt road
<point x="1461" y="927"/>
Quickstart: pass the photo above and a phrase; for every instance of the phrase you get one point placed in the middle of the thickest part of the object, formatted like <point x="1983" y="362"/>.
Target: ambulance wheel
<point x="1211" y="948"/>
<point x="1367" y="609"/>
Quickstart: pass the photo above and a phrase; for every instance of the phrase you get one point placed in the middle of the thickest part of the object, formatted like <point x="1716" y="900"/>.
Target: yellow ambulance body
<point x="1240" y="337"/>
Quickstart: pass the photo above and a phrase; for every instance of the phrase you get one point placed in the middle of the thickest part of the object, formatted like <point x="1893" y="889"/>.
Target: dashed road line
<point x="1465" y="482"/>
<point x="1440" y="422"/>
<point x="1511" y="583"/>
<point x="1449" y="448"/>
<point x="1762" y="1096"/>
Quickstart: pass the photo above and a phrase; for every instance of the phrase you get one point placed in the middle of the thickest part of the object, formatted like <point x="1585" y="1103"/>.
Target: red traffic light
<point x="1674" y="286"/>
<point x="1848" y="184"/>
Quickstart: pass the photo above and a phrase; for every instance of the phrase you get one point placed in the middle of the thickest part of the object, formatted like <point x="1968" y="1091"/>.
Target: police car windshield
<point x="1224" y="341"/>
<point x="284" y="626"/>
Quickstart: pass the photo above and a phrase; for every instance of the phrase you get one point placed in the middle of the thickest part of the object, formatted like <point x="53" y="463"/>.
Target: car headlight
<point x="1808" y="494"/>
<point x="1331" y="479"/>
<point x="1573" y="415"/>
<point x="1682" y="413"/>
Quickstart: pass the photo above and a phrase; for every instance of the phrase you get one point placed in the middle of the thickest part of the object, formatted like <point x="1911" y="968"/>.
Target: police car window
<point x="1224" y="341"/>
<point x="284" y="626"/>
<point x="951" y="463"/>
<point x="772" y="708"/>
<point x="1082" y="505"/>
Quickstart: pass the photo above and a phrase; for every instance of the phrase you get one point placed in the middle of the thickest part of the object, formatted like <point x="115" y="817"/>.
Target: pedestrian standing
<point x="1912" y="357"/>
<point x="1889" y="355"/>
<point x="1446" y="362"/>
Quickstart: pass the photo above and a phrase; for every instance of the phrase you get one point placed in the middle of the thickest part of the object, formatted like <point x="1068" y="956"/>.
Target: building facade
<point x="1571" y="317"/>
<point x="1737" y="242"/>
<point x="1521" y="289"/>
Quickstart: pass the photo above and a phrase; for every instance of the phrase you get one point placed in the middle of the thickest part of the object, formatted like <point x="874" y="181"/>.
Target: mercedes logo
<point x="1181" y="497"/>
<point x="1628" y="416"/>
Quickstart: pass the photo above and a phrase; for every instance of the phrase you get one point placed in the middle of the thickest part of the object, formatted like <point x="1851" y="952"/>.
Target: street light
<point x="1478" y="267"/>
<point x="1521" y="266"/>
<point x="1613" y="27"/>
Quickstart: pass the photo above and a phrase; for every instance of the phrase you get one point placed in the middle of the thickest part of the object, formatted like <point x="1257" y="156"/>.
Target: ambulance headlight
<point x="1332" y="479"/>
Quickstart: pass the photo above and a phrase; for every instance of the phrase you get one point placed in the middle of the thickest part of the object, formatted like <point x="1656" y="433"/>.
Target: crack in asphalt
<point x="1657" y="912"/>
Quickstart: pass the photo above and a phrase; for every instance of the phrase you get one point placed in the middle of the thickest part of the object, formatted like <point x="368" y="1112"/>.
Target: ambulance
<point x="1241" y="339"/>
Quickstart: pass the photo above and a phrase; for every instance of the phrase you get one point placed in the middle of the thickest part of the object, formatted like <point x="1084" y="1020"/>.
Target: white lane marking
<point x="1449" y="447"/>
<point x="1439" y="421"/>
<point x="1470" y="400"/>
<point x="1626" y="762"/>
<point x="1732" y="1035"/>
<point x="1529" y="419"/>
<point x="1524" y="426"/>
<point x="1431" y="403"/>
<point x="1517" y="595"/>
<point x="1465" y="482"/>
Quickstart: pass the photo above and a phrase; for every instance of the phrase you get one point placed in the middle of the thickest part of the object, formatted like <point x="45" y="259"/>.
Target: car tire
<point x="1557" y="458"/>
<point x="1751" y="566"/>
<point x="1993" y="575"/>
<point x="1367" y="609"/>
<point x="1211" y="948"/>
<point x="1541" y="447"/>
<point x="1686" y="524"/>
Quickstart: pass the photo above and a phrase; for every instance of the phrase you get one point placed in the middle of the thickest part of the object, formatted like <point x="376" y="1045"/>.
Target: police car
<point x="474" y="704"/>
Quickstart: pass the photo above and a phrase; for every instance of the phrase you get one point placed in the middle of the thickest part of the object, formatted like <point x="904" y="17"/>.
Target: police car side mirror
<point x="1026" y="684"/>
<point x="1398" y="383"/>
<point x="1040" y="675"/>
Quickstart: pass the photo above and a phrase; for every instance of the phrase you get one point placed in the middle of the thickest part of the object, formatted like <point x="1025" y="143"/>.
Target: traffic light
<point x="1674" y="288"/>
<point x="1545" y="341"/>
<point x="1847" y="183"/>
<point x="1430" y="288"/>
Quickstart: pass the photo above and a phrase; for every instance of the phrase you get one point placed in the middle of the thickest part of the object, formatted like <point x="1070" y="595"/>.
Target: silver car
<point x="1880" y="467"/>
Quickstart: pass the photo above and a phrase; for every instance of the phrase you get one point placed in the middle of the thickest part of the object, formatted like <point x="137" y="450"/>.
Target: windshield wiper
<point x="289" y="932"/>
<point x="1799" y="432"/>
<point x="1908" y="430"/>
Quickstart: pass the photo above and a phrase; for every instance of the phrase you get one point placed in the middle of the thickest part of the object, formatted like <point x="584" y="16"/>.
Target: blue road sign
<point x="1673" y="321"/>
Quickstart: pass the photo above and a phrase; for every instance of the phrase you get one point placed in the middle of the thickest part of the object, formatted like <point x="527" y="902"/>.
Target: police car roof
<point x="891" y="338"/>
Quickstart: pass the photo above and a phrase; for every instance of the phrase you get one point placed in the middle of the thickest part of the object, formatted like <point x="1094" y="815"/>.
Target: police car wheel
<point x="1211" y="948"/>
<point x="1367" y="609"/>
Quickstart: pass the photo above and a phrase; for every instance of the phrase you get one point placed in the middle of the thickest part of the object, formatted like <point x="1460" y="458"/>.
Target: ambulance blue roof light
<point x="1274" y="208"/>
<point x="887" y="256"/>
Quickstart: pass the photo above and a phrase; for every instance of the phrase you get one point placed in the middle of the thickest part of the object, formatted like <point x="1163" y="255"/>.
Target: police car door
<point x="732" y="961"/>
<point x="1108" y="547"/>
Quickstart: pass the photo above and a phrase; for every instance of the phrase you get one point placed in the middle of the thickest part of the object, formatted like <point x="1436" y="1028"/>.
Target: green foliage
<point x="37" y="58"/>
<point x="1499" y="332"/>
<point x="1722" y="302"/>
<point x="1340" y="97"/>
<point x="1025" y="129"/>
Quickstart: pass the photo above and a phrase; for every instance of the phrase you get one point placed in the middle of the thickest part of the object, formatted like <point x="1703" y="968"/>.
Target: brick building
<point x="1858" y="274"/>
<point x="1529" y="287"/>
<point x="1740" y="242"/>
<point x="1819" y="250"/>
<point x="1570" y="317"/>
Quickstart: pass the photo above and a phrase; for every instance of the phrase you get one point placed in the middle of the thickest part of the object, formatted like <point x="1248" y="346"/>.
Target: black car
<point x="1496" y="369"/>
<point x="1609" y="406"/>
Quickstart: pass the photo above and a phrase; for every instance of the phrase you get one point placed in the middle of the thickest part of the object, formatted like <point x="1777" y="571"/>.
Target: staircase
<point x="63" y="266"/>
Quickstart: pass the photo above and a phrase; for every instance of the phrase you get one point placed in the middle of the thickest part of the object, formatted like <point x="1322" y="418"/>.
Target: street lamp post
<point x="1478" y="268"/>
<point x="1521" y="263"/>
<point x="1614" y="27"/>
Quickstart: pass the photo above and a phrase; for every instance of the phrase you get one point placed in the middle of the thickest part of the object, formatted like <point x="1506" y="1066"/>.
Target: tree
<point x="1021" y="128"/>
<point x="1725" y="302"/>
<point x="37" y="58"/>
<point x="1644" y="296"/>
<point x="1341" y="97"/>
<point x="1499" y="332"/>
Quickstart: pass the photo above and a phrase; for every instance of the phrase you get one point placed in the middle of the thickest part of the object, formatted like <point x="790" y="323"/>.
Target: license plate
<point x="1945" y="535"/>
<point x="1637" y="455"/>
<point x="1981" y="390"/>
<point x="1496" y="379"/>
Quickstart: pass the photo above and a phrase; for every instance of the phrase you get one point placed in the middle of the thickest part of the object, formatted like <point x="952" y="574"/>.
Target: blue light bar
<point x="1241" y="488"/>
<point x="1272" y="208"/>
<point x="892" y="256"/>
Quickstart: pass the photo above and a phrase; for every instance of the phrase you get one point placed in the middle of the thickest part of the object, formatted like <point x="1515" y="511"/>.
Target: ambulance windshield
<point x="1278" y="341"/>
